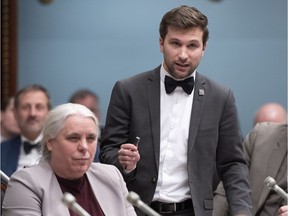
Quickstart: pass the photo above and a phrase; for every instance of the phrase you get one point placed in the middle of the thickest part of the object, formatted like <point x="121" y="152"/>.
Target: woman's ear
<point x="49" y="144"/>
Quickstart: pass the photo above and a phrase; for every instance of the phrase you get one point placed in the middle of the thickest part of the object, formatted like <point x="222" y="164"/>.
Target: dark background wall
<point x="72" y="44"/>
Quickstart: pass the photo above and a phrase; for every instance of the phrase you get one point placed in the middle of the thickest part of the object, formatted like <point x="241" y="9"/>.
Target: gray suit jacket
<point x="266" y="153"/>
<point x="36" y="191"/>
<point x="134" y="110"/>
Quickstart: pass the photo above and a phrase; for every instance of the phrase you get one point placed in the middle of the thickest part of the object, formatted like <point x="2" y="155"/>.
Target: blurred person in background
<point x="87" y="98"/>
<point x="9" y="125"/>
<point x="32" y="104"/>
<point x="270" y="112"/>
<point x="265" y="150"/>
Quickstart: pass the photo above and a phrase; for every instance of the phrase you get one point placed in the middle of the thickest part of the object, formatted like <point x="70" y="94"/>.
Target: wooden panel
<point x="8" y="48"/>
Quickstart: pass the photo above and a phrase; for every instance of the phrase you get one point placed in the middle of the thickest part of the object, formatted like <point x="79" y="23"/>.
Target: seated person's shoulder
<point x="105" y="169"/>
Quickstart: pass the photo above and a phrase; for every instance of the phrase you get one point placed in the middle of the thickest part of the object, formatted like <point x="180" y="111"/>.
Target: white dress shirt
<point x="32" y="157"/>
<point x="176" y="108"/>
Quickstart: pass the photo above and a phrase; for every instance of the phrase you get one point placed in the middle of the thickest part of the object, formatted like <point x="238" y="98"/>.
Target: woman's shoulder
<point x="102" y="166"/>
<point x="105" y="169"/>
<point x="34" y="172"/>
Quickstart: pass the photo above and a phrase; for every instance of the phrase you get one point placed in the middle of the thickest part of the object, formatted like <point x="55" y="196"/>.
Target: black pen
<point x="136" y="143"/>
<point x="137" y="140"/>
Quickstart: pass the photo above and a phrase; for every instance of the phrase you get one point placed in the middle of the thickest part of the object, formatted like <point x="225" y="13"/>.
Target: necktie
<point x="28" y="147"/>
<point x="187" y="84"/>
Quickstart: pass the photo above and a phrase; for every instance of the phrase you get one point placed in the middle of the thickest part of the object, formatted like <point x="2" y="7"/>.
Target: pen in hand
<point x="136" y="143"/>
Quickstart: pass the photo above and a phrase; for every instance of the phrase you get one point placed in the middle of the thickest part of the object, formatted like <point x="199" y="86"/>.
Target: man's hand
<point x="128" y="156"/>
<point x="283" y="211"/>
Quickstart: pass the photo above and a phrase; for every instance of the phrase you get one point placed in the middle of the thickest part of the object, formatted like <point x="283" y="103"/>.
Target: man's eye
<point x="40" y="107"/>
<point x="26" y="107"/>
<point x="193" y="46"/>
<point x="175" y="43"/>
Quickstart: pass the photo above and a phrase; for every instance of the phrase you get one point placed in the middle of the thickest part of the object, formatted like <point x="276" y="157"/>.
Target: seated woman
<point x="69" y="144"/>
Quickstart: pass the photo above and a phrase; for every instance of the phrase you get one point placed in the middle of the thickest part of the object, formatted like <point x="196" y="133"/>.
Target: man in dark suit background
<point x="266" y="153"/>
<point x="32" y="105"/>
<point x="184" y="132"/>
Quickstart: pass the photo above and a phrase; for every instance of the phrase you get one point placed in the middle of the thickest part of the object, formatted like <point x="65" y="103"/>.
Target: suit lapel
<point x="98" y="191"/>
<point x="200" y="92"/>
<point x="153" y="90"/>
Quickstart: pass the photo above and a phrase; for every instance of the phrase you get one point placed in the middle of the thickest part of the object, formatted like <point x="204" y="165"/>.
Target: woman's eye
<point x="73" y="139"/>
<point x="91" y="139"/>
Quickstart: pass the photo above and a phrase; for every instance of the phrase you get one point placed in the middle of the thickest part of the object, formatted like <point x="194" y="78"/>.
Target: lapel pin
<point x="201" y="92"/>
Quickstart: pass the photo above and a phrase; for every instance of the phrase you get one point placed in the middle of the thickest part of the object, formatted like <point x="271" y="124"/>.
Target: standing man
<point x="32" y="105"/>
<point x="187" y="123"/>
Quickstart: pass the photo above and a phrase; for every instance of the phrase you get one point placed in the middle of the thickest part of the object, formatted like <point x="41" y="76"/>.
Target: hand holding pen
<point x="128" y="155"/>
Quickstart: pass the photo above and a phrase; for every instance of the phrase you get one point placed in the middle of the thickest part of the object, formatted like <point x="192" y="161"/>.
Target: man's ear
<point x="161" y="43"/>
<point x="204" y="47"/>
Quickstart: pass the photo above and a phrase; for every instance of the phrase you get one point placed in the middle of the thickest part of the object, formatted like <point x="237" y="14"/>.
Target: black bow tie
<point x="171" y="84"/>
<point x="28" y="147"/>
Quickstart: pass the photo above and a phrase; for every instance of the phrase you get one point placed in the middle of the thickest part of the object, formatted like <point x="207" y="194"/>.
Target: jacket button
<point x="154" y="179"/>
